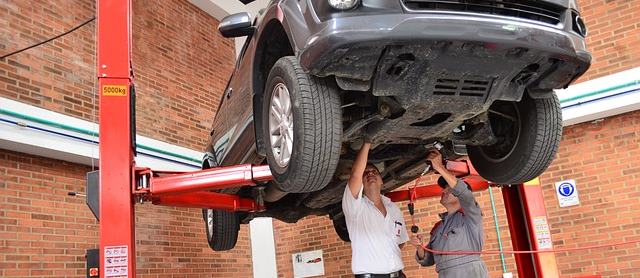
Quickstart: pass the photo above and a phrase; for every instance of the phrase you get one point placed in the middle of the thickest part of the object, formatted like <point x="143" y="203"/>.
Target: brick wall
<point x="602" y="157"/>
<point x="58" y="75"/>
<point x="613" y="35"/>
<point x="182" y="66"/>
<point x="180" y="61"/>
<point x="44" y="232"/>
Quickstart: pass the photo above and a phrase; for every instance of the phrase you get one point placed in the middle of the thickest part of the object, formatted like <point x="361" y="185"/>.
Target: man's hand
<point x="416" y="240"/>
<point x="436" y="160"/>
<point x="367" y="137"/>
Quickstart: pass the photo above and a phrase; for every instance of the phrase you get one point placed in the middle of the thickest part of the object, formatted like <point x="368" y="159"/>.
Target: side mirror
<point x="236" y="25"/>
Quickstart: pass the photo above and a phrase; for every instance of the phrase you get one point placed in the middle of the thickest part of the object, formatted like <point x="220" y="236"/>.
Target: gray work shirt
<point x="460" y="231"/>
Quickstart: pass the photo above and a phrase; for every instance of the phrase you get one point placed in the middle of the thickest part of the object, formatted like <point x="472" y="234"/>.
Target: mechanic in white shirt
<point x="375" y="224"/>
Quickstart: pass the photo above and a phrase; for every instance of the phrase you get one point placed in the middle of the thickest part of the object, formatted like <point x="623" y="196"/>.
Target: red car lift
<point x="122" y="184"/>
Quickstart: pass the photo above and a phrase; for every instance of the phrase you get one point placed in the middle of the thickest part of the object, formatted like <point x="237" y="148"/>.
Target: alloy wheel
<point x="281" y="125"/>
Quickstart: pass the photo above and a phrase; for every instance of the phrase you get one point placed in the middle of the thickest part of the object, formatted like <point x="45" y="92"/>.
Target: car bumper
<point x="345" y="46"/>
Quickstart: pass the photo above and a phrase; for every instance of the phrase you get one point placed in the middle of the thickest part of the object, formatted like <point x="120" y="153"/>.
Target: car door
<point x="233" y="138"/>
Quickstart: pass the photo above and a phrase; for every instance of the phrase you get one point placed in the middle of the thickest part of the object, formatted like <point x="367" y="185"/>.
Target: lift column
<point x="117" y="243"/>
<point x="529" y="228"/>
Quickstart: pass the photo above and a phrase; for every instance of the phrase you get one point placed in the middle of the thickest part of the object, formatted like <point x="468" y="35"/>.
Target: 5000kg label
<point x="114" y="90"/>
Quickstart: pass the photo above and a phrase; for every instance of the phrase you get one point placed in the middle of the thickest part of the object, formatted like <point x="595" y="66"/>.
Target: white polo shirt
<point x="374" y="237"/>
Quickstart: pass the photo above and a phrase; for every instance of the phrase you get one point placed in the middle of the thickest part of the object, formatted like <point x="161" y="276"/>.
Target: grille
<point x="531" y="10"/>
<point x="461" y="87"/>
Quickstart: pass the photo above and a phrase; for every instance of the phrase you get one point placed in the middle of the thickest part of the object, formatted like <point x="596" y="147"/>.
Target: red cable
<point x="494" y="252"/>
<point x="412" y="197"/>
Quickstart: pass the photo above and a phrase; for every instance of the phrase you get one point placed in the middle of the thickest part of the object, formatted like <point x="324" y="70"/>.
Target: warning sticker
<point x="116" y="261"/>
<point x="543" y="234"/>
<point x="114" y="90"/>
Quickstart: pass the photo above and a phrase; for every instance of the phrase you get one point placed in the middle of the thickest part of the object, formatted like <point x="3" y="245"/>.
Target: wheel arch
<point x="273" y="44"/>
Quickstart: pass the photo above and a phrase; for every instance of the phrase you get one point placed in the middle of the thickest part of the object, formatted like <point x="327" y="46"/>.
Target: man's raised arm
<point x="357" y="170"/>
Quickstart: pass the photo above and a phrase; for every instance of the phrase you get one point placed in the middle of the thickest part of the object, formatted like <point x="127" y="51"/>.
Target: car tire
<point x="526" y="147"/>
<point x="313" y="127"/>
<point x="340" y="225"/>
<point x="221" y="228"/>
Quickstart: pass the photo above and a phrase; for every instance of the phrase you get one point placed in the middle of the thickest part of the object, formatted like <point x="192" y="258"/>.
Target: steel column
<point x="529" y="228"/>
<point x="117" y="243"/>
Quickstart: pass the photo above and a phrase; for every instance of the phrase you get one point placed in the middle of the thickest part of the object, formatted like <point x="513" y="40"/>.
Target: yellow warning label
<point x="114" y="90"/>
<point x="534" y="182"/>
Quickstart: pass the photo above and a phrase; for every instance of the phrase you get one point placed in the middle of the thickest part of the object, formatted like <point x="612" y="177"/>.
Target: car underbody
<point x="422" y="94"/>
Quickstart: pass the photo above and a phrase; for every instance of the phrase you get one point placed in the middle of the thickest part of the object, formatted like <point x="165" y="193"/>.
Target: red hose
<point x="493" y="252"/>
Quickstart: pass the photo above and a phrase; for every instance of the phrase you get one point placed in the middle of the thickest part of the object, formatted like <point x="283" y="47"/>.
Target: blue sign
<point x="566" y="189"/>
<point x="567" y="193"/>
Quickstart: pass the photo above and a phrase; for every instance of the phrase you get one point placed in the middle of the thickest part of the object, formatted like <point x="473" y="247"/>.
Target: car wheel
<point x="528" y="135"/>
<point x="302" y="127"/>
<point x="222" y="229"/>
<point x="340" y="225"/>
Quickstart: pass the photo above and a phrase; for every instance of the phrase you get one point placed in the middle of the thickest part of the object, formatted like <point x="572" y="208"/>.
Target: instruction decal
<point x="542" y="231"/>
<point x="114" y="90"/>
<point x="116" y="261"/>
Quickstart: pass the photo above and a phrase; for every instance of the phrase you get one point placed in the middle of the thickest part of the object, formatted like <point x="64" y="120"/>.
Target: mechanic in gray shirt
<point x="459" y="230"/>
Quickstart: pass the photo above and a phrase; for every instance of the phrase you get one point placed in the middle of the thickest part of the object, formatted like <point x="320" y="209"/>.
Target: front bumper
<point x="444" y="69"/>
<point x="350" y="47"/>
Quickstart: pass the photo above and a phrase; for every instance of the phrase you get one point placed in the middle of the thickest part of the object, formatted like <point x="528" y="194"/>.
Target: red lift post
<point x="530" y="230"/>
<point x="117" y="219"/>
<point x="122" y="184"/>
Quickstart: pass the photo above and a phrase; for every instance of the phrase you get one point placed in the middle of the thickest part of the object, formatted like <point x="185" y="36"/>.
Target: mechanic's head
<point x="447" y="199"/>
<point x="371" y="178"/>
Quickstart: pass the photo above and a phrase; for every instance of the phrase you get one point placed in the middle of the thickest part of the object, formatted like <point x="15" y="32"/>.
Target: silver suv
<point x="314" y="76"/>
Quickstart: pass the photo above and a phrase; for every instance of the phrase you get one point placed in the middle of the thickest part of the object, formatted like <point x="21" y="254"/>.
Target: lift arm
<point x="192" y="189"/>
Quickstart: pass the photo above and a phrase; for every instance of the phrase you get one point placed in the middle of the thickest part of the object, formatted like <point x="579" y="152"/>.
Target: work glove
<point x="367" y="136"/>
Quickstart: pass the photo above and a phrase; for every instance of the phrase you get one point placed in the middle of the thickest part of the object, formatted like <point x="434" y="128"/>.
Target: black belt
<point x="397" y="274"/>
